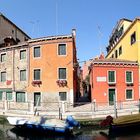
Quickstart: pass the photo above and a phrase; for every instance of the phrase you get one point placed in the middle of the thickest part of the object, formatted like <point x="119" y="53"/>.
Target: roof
<point x="126" y="19"/>
<point x="118" y="24"/>
<point x="114" y="61"/>
<point x="131" y="25"/>
<point x="37" y="40"/>
<point x="13" y="24"/>
<point x="50" y="38"/>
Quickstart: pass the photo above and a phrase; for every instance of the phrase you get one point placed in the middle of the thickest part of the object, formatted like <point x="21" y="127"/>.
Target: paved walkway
<point x="76" y="114"/>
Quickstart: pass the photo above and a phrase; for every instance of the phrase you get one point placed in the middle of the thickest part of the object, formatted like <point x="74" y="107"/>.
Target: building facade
<point x="113" y="77"/>
<point x="10" y="34"/>
<point x="39" y="70"/>
<point x="124" y="40"/>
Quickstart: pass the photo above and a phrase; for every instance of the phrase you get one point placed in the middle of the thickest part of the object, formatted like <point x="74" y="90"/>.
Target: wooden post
<point x="115" y="108"/>
<point x="94" y="106"/>
<point x="59" y="113"/>
<point x="6" y="105"/>
<point x="139" y="105"/>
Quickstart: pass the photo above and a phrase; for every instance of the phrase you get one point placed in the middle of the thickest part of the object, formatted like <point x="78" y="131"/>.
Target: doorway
<point x="111" y="96"/>
<point x="37" y="99"/>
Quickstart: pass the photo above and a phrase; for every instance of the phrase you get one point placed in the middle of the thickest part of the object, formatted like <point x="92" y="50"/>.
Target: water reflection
<point x="10" y="133"/>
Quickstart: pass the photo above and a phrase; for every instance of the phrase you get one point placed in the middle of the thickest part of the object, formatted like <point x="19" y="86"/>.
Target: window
<point x="25" y="38"/>
<point x="37" y="74"/>
<point x="8" y="95"/>
<point x="111" y="96"/>
<point x="62" y="73"/>
<point x="1" y="95"/>
<point x="112" y="55"/>
<point x="120" y="50"/>
<point x="129" y="77"/>
<point x="36" y="51"/>
<point x="129" y="94"/>
<point x="12" y="31"/>
<point x="62" y="96"/>
<point x="22" y="54"/>
<point x="116" y="54"/>
<point x="3" y="76"/>
<point x="22" y="75"/>
<point x="133" y="38"/>
<point x="62" y="49"/>
<point x="3" y="57"/>
<point x="37" y="99"/>
<point x="111" y="77"/>
<point x="20" y="96"/>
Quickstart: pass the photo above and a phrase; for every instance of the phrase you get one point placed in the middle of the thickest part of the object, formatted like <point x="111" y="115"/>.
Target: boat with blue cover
<point x="44" y="124"/>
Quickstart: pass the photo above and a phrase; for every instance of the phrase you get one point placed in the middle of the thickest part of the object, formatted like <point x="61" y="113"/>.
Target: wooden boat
<point x="125" y="125"/>
<point x="44" y="124"/>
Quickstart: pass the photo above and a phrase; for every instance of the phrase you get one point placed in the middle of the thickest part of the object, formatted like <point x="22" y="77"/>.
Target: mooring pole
<point x="139" y="105"/>
<point x="59" y="113"/>
<point x="115" y="107"/>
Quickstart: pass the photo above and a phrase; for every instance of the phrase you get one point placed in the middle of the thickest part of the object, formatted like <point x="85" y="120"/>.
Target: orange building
<point x="52" y="75"/>
<point x="109" y="77"/>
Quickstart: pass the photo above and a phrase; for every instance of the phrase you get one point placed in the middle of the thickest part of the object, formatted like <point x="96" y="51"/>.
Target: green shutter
<point x="3" y="57"/>
<point x="20" y="97"/>
<point x="37" y="99"/>
<point x="1" y="93"/>
<point x="23" y="75"/>
<point x="63" y="96"/>
<point x="36" y="51"/>
<point x="9" y="96"/>
<point x="62" y="49"/>
<point x="129" y="94"/>
<point x="23" y="54"/>
<point x="37" y="74"/>
<point x="128" y="76"/>
<point x="111" y="96"/>
<point x="3" y="76"/>
<point x="111" y="76"/>
<point x="62" y="73"/>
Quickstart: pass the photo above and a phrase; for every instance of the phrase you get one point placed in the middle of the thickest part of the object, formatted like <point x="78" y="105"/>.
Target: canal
<point x="10" y="133"/>
<point x="87" y="133"/>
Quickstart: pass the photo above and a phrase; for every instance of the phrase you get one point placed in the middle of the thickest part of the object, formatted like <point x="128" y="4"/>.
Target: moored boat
<point x="125" y="125"/>
<point x="44" y="124"/>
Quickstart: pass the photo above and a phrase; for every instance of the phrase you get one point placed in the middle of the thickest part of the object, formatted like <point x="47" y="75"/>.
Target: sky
<point x="93" y="20"/>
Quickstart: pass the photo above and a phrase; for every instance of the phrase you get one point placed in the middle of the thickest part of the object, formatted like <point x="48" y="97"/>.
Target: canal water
<point x="9" y="133"/>
<point x="89" y="133"/>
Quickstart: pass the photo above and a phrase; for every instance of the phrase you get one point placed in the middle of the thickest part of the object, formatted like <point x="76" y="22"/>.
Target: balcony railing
<point x="36" y="82"/>
<point x="61" y="83"/>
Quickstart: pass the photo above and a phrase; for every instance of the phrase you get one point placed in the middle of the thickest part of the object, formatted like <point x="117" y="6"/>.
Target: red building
<point x="109" y="77"/>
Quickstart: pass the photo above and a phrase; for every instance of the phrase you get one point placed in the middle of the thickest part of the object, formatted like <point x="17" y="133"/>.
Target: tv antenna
<point x="34" y="24"/>
<point x="100" y="37"/>
<point x="56" y="17"/>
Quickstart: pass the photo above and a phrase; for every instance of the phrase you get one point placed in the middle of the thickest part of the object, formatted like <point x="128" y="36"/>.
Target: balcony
<point x="129" y="83"/>
<point x="36" y="83"/>
<point x="61" y="83"/>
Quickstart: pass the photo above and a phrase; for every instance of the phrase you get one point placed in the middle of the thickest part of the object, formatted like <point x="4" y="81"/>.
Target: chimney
<point x="74" y="33"/>
<point x="102" y="56"/>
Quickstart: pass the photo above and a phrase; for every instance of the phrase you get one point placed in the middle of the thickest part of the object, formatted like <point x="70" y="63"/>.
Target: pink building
<point x="113" y="77"/>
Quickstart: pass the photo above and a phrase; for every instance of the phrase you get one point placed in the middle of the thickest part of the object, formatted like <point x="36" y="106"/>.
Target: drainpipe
<point x="13" y="69"/>
<point x="28" y="65"/>
<point x="73" y="61"/>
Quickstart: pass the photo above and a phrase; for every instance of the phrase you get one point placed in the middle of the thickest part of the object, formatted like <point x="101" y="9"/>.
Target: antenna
<point x="56" y="17"/>
<point x="34" y="23"/>
<point x="37" y="22"/>
<point x="33" y="27"/>
<point x="100" y="36"/>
